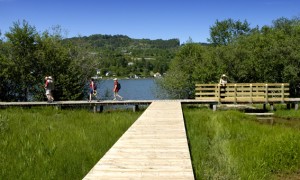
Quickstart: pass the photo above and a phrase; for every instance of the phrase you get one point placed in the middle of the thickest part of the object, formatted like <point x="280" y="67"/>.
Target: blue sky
<point x="151" y="19"/>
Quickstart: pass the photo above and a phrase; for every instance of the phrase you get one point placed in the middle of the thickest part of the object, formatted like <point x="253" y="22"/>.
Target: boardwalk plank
<point x="154" y="147"/>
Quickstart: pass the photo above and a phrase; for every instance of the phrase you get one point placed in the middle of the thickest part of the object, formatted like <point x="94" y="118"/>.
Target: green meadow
<point x="232" y="145"/>
<point x="45" y="143"/>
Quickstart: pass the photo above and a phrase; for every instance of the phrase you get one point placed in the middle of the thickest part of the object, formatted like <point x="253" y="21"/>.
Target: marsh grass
<point x="44" y="143"/>
<point x="232" y="145"/>
<point x="287" y="114"/>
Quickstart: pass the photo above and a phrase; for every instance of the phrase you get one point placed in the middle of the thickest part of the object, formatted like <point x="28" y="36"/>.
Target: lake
<point x="131" y="89"/>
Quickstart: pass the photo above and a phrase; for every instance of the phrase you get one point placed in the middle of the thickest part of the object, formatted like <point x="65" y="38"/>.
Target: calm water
<point x="131" y="89"/>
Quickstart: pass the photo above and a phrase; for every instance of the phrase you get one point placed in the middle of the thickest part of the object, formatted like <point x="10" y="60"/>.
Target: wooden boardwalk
<point x="103" y="102"/>
<point x="154" y="147"/>
<point x="98" y="105"/>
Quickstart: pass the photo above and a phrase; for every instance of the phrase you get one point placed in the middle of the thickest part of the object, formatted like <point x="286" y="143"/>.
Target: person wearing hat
<point x="116" y="89"/>
<point x="223" y="82"/>
<point x="49" y="86"/>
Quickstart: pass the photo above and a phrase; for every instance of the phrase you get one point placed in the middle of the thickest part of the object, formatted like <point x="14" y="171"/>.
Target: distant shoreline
<point x="123" y="78"/>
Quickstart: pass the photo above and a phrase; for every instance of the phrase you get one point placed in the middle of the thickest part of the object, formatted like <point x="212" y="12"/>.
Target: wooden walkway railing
<point x="244" y="93"/>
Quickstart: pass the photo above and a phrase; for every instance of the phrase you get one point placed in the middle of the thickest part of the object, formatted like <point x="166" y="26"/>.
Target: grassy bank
<point x="231" y="145"/>
<point x="44" y="143"/>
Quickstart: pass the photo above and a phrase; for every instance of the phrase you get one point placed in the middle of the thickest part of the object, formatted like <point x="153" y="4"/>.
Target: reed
<point x="44" y="143"/>
<point x="232" y="145"/>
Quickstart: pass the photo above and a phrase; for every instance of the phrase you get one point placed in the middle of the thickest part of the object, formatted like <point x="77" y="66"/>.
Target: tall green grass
<point x="231" y="145"/>
<point x="288" y="114"/>
<point x="44" y="143"/>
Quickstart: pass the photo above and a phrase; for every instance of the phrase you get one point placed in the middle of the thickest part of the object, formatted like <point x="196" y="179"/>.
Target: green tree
<point x="226" y="31"/>
<point x="268" y="55"/>
<point x="180" y="79"/>
<point x="27" y="57"/>
<point x="23" y="65"/>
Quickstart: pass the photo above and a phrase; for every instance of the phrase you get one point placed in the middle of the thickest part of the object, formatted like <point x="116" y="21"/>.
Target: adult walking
<point x="116" y="89"/>
<point x="93" y="90"/>
<point x="49" y="87"/>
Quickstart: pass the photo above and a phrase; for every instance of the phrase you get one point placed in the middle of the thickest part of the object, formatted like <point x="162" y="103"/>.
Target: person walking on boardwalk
<point x="93" y="89"/>
<point x="117" y="87"/>
<point x="49" y="87"/>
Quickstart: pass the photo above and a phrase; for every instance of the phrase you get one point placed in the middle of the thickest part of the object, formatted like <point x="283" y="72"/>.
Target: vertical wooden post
<point x="296" y="106"/>
<point x="266" y="94"/>
<point x="196" y="90"/>
<point x="58" y="107"/>
<point x="272" y="107"/>
<point x="214" y="107"/>
<point x="135" y="108"/>
<point x="94" y="108"/>
<point x="235" y="93"/>
<point x="251" y="100"/>
<point x="219" y="92"/>
<point x="282" y="93"/>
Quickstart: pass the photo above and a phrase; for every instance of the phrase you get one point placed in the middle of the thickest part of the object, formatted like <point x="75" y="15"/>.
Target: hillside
<point x="121" y="55"/>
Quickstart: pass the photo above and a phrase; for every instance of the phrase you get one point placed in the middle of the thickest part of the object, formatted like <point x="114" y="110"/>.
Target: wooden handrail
<point x="243" y="92"/>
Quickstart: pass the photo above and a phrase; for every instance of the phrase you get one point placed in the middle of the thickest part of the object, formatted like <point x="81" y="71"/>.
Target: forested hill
<point x="120" y="55"/>
<point x="123" y="41"/>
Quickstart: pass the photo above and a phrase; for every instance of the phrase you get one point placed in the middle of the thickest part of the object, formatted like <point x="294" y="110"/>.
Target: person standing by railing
<point x="223" y="80"/>
<point x="222" y="83"/>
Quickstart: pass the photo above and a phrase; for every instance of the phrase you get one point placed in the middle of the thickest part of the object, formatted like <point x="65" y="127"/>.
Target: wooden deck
<point x="154" y="147"/>
<point x="244" y="92"/>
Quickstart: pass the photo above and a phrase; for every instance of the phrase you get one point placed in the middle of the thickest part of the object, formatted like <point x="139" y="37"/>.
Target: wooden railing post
<point x="235" y="93"/>
<point x="251" y="100"/>
<point x="282" y="93"/>
<point x="219" y="92"/>
<point x="266" y="95"/>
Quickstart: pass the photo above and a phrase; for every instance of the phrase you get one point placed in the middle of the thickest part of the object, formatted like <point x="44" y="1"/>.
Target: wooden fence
<point x="243" y="92"/>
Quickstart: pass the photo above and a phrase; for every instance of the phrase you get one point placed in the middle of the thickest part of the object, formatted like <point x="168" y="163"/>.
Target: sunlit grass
<point x="44" y="143"/>
<point x="231" y="145"/>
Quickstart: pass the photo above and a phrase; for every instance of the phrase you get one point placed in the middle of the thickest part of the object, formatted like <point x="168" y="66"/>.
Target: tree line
<point x="120" y="55"/>
<point x="270" y="54"/>
<point x="27" y="56"/>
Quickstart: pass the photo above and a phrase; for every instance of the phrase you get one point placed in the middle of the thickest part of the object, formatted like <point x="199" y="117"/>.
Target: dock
<point x="154" y="147"/>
